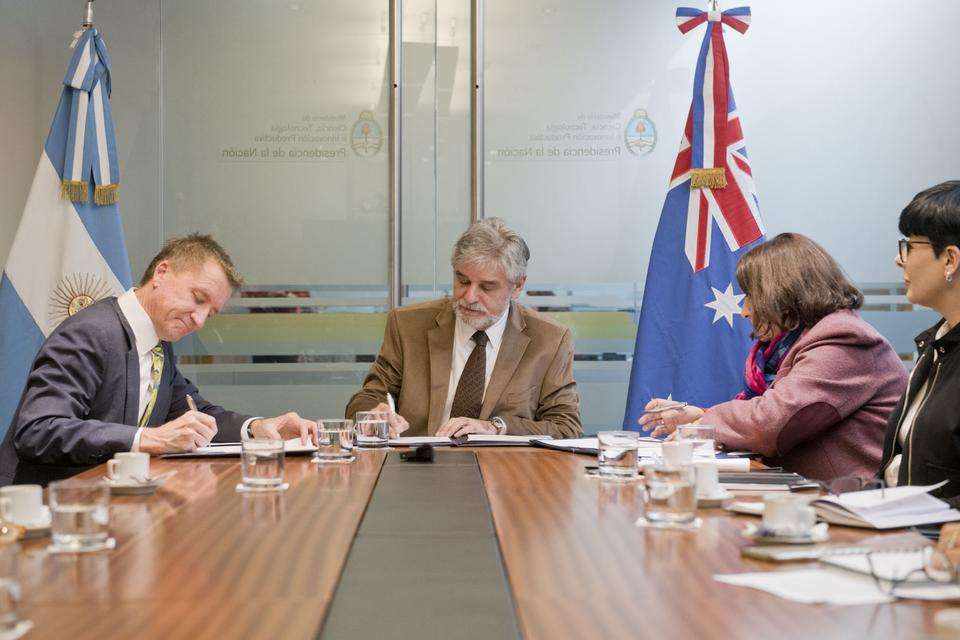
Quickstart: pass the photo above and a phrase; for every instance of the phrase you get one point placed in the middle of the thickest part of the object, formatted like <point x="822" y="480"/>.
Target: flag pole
<point x="88" y="16"/>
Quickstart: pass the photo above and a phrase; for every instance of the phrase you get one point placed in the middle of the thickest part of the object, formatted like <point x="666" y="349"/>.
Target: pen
<point x="667" y="407"/>
<point x="191" y="404"/>
<point x="391" y="403"/>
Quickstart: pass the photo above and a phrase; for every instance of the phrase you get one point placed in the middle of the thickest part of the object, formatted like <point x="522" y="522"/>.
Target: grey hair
<point x="491" y="241"/>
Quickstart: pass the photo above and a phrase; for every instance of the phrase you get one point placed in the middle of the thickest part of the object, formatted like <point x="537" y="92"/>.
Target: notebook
<point x="886" y="508"/>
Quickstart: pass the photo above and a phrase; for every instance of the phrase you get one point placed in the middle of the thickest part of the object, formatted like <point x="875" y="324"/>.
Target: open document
<point x="886" y="508"/>
<point x="232" y="449"/>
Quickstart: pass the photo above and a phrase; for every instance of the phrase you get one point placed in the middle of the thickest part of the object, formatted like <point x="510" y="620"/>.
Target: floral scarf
<point x="763" y="363"/>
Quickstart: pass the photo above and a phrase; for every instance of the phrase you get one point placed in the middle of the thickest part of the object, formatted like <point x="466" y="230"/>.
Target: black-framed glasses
<point x="936" y="569"/>
<point x="905" y="245"/>
<point x="846" y="484"/>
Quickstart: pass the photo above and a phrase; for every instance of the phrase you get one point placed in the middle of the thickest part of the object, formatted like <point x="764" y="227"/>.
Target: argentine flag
<point x="69" y="250"/>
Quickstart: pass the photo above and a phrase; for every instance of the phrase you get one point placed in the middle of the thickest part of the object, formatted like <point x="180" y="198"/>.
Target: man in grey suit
<point x="106" y="379"/>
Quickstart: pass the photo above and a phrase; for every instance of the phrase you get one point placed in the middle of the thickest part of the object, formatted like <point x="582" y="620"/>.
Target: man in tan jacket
<point x="478" y="362"/>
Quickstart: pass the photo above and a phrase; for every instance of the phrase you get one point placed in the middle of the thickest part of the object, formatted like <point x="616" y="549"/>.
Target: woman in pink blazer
<point x="819" y="383"/>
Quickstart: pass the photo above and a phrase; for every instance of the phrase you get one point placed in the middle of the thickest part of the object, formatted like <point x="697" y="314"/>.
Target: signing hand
<point x="191" y="430"/>
<point x="289" y="425"/>
<point x="666" y="422"/>
<point x="455" y="427"/>
<point x="398" y="424"/>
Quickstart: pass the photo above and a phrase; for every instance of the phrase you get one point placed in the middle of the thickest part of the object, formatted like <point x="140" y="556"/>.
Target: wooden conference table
<point x="199" y="560"/>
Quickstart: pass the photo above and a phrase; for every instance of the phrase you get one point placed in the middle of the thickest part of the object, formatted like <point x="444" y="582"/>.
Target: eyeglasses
<point x="846" y="484"/>
<point x="936" y="569"/>
<point x="905" y="245"/>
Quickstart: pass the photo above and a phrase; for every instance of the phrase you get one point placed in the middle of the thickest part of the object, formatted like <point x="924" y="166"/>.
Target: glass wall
<point x="264" y="122"/>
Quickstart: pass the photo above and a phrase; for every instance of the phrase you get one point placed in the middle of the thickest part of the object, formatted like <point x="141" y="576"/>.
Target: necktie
<point x="469" y="395"/>
<point x="156" y="370"/>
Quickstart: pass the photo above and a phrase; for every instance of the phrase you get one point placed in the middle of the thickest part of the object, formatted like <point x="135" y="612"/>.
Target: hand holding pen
<point x="398" y="423"/>
<point x="187" y="433"/>
<point x="664" y="416"/>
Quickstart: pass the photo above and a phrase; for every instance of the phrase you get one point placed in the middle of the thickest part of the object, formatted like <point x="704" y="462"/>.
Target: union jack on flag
<point x="692" y="339"/>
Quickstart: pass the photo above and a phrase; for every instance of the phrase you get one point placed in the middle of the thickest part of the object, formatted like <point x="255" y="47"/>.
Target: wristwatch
<point x="499" y="424"/>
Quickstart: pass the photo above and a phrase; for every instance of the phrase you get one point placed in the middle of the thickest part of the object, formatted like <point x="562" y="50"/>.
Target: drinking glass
<point x="81" y="514"/>
<point x="261" y="465"/>
<point x="373" y="429"/>
<point x="9" y="589"/>
<point x="702" y="436"/>
<point x="670" y="499"/>
<point x="617" y="454"/>
<point x="335" y="441"/>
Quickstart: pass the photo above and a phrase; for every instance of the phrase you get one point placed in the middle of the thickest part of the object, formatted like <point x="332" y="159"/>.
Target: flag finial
<point x="88" y="15"/>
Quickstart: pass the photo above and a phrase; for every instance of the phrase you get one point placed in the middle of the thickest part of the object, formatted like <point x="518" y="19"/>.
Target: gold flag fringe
<point x="106" y="194"/>
<point x="74" y="190"/>
<point x="714" y="178"/>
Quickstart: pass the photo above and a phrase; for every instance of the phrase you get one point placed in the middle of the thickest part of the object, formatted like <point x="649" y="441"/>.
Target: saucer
<point x="131" y="487"/>
<point x="716" y="500"/>
<point x="18" y="631"/>
<point x="818" y="533"/>
<point x="106" y="545"/>
<point x="274" y="488"/>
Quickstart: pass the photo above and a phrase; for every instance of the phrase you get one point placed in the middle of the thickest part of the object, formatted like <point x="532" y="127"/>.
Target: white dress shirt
<point x="146" y="338"/>
<point x="463" y="345"/>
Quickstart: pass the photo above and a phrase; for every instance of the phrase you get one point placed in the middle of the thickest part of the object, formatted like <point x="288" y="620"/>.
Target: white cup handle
<point x="808" y="517"/>
<point x="111" y="468"/>
<point x="4" y="505"/>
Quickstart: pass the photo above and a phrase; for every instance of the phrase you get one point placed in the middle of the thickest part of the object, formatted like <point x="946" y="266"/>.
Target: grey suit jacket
<point x="80" y="403"/>
<point x="531" y="387"/>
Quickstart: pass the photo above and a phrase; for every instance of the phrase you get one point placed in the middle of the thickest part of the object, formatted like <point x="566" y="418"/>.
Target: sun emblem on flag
<point x="74" y="292"/>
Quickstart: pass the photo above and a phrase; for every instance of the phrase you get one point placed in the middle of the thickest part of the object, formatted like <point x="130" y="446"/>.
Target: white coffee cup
<point x="677" y="452"/>
<point x="129" y="466"/>
<point x="22" y="503"/>
<point x="708" y="478"/>
<point x="787" y="515"/>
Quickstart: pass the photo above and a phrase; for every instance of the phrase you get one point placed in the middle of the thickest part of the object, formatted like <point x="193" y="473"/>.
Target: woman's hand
<point x="664" y="421"/>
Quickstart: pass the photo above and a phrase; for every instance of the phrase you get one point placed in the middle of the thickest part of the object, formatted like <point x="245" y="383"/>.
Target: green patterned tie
<point x="156" y="370"/>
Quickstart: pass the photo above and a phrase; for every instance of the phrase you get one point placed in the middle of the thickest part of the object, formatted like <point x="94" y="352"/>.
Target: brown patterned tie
<point x="469" y="396"/>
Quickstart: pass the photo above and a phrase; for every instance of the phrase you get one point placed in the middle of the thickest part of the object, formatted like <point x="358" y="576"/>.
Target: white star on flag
<point x="725" y="304"/>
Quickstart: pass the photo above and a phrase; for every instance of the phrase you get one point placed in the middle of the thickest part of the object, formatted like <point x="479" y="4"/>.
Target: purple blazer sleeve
<point x="829" y="379"/>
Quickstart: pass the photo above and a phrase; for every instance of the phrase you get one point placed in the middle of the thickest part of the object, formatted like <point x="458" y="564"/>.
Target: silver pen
<point x="667" y="407"/>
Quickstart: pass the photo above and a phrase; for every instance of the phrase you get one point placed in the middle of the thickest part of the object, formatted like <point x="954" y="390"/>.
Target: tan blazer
<point x="531" y="387"/>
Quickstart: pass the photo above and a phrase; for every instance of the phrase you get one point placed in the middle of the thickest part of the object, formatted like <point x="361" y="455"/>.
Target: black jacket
<point x="81" y="399"/>
<point x="932" y="451"/>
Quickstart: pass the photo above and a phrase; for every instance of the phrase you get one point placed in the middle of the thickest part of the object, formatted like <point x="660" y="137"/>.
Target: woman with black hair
<point x="922" y="444"/>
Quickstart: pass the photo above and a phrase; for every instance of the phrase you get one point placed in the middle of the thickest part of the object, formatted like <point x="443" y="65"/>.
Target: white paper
<point x="289" y="446"/>
<point x="886" y="508"/>
<point x="416" y="441"/>
<point x="506" y="439"/>
<point x="812" y="586"/>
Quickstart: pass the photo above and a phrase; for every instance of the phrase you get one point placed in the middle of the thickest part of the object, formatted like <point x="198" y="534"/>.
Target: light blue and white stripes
<point x="65" y="254"/>
<point x="91" y="145"/>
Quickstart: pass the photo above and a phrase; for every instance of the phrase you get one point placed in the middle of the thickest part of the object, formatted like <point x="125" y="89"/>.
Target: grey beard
<point x="479" y="324"/>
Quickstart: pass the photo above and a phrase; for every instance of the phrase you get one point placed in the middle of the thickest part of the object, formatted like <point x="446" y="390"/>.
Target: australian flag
<point x="691" y="339"/>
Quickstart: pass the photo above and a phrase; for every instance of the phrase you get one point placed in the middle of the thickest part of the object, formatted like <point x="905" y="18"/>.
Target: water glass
<point x="335" y="441"/>
<point x="373" y="429"/>
<point x="261" y="464"/>
<point x="617" y="454"/>
<point x="702" y="436"/>
<point x="81" y="514"/>
<point x="9" y="589"/>
<point x="670" y="499"/>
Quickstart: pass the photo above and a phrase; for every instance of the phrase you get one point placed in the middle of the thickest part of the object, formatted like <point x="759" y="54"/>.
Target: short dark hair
<point x="935" y="214"/>
<point x="192" y="251"/>
<point x="793" y="283"/>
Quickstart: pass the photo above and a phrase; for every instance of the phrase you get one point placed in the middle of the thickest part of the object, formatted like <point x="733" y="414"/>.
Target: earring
<point x="949" y="276"/>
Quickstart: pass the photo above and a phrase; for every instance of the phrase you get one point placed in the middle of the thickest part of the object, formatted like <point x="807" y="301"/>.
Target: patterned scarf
<point x="763" y="363"/>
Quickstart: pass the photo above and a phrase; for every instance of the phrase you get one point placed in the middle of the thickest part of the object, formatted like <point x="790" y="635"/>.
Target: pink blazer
<point x="825" y="414"/>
